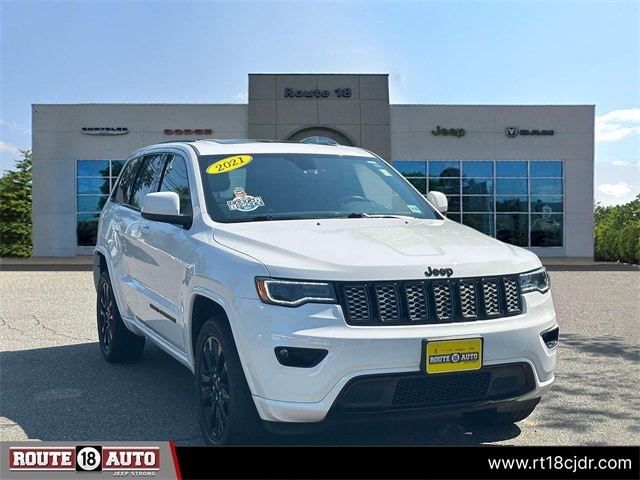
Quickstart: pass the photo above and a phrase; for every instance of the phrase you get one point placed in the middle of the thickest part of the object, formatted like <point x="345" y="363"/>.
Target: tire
<point x="493" y="417"/>
<point x="226" y="412"/>
<point x="117" y="343"/>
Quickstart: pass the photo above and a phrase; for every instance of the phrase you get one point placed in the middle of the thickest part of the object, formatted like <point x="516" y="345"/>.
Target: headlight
<point x="292" y="293"/>
<point x="537" y="280"/>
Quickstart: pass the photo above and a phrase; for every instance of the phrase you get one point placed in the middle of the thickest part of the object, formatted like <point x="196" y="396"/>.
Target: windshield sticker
<point x="244" y="202"/>
<point x="414" y="209"/>
<point x="228" y="164"/>
<point x="385" y="172"/>
<point x="373" y="162"/>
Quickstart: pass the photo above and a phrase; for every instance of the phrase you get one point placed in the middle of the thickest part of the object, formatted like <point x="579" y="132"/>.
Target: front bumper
<point x="366" y="369"/>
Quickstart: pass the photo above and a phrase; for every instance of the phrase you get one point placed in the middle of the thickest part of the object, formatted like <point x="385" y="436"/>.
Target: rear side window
<point x="146" y="180"/>
<point x="127" y="177"/>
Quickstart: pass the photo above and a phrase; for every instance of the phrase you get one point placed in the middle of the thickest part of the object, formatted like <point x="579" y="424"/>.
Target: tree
<point x="16" y="228"/>
<point x="617" y="232"/>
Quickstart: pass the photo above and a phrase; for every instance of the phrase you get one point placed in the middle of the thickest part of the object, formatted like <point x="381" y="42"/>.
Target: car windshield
<point x="259" y="187"/>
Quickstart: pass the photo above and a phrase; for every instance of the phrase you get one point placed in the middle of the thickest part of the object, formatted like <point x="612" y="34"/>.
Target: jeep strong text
<point x="306" y="285"/>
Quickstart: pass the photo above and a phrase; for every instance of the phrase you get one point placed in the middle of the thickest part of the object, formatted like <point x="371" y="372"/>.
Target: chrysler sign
<point x="105" y="130"/>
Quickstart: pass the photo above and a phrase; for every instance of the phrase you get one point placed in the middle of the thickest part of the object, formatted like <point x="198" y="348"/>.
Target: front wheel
<point x="117" y="343"/>
<point x="226" y="412"/>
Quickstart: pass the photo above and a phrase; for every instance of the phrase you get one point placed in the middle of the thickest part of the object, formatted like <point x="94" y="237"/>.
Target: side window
<point x="127" y="177"/>
<point x="147" y="179"/>
<point x="175" y="179"/>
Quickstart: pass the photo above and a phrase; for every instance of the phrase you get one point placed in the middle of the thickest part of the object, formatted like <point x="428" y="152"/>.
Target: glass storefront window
<point x="546" y="186"/>
<point x="454" y="203"/>
<point x="518" y="201"/>
<point x="444" y="169"/>
<point x="87" y="228"/>
<point x="477" y="203"/>
<point x="477" y="169"/>
<point x="512" y="204"/>
<point x="546" y="169"/>
<point x="445" y="185"/>
<point x="511" y="186"/>
<point x="538" y="203"/>
<point x="477" y="186"/>
<point x="513" y="228"/>
<point x="420" y="184"/>
<point x="511" y="169"/>
<point x="93" y="168"/>
<point x="481" y="222"/>
<point x="94" y="181"/>
<point x="546" y="230"/>
<point x="95" y="186"/>
<point x="411" y="169"/>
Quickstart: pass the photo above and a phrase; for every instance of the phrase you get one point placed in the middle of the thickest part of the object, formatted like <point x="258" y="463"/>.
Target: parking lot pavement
<point x="54" y="385"/>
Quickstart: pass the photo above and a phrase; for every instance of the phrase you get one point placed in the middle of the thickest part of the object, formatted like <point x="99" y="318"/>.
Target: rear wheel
<point x="226" y="411"/>
<point x="117" y="343"/>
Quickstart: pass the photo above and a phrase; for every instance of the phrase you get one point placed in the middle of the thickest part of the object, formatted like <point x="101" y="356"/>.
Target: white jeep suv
<point x="305" y="285"/>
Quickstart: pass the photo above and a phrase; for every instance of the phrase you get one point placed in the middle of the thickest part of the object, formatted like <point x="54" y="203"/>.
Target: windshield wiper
<point x="266" y="218"/>
<point x="380" y="215"/>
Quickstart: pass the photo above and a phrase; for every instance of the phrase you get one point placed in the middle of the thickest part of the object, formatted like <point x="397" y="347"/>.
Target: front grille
<point x="429" y="301"/>
<point x="451" y="388"/>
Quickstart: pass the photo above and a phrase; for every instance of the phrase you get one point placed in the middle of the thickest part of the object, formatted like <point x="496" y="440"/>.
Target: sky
<point x="473" y="52"/>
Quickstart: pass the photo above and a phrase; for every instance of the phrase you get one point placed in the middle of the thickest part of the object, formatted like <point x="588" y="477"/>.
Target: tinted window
<point x="147" y="179"/>
<point x="477" y="169"/>
<point x="411" y="169"/>
<point x="546" y="169"/>
<point x="511" y="169"/>
<point x="126" y="179"/>
<point x="174" y="179"/>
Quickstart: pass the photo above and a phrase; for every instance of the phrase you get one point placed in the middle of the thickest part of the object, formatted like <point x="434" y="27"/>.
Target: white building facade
<point x="520" y="173"/>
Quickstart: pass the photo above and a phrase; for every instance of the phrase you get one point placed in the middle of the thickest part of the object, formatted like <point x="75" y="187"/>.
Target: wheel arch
<point x="99" y="266"/>
<point x="203" y="309"/>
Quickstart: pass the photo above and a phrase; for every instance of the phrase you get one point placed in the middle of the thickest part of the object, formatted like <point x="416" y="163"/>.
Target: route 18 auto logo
<point x="122" y="461"/>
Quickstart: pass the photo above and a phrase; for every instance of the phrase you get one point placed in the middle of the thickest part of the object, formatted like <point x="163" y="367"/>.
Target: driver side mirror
<point x="438" y="200"/>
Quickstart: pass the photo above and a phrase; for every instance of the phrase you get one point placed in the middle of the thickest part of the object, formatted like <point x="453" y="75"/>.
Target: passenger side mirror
<point x="438" y="200"/>
<point x="164" y="207"/>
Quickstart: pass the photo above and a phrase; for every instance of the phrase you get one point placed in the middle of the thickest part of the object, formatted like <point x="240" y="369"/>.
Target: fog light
<point x="300" y="357"/>
<point x="550" y="338"/>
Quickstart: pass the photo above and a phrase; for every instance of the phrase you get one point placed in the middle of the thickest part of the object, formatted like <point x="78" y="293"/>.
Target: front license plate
<point x="442" y="356"/>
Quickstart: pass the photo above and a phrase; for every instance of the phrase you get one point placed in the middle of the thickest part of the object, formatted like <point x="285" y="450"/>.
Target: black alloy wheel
<point x="214" y="389"/>
<point x="117" y="342"/>
<point x="226" y="411"/>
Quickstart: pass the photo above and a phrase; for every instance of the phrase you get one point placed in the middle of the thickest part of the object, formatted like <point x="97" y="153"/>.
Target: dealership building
<point x="520" y="173"/>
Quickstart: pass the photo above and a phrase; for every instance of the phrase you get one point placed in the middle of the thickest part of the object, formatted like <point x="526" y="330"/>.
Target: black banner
<point x="399" y="463"/>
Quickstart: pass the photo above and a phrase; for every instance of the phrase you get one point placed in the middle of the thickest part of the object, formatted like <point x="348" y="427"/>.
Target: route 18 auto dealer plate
<point x="444" y="356"/>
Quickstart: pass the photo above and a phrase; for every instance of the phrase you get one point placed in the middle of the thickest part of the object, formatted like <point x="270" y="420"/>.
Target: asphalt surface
<point x="55" y="386"/>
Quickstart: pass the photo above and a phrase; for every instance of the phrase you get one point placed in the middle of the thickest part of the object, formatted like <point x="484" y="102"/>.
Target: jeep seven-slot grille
<point x="430" y="301"/>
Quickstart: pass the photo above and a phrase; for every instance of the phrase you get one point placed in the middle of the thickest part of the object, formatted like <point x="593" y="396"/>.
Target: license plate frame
<point x="451" y="355"/>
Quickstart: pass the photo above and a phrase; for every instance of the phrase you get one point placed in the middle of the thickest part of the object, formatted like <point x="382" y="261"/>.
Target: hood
<point x="372" y="248"/>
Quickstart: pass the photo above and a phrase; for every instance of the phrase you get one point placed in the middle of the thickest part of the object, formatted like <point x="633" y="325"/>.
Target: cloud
<point x="616" y="125"/>
<point x="14" y="126"/>
<point x="243" y="97"/>
<point x="8" y="148"/>
<point x="621" y="163"/>
<point x="618" y="190"/>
